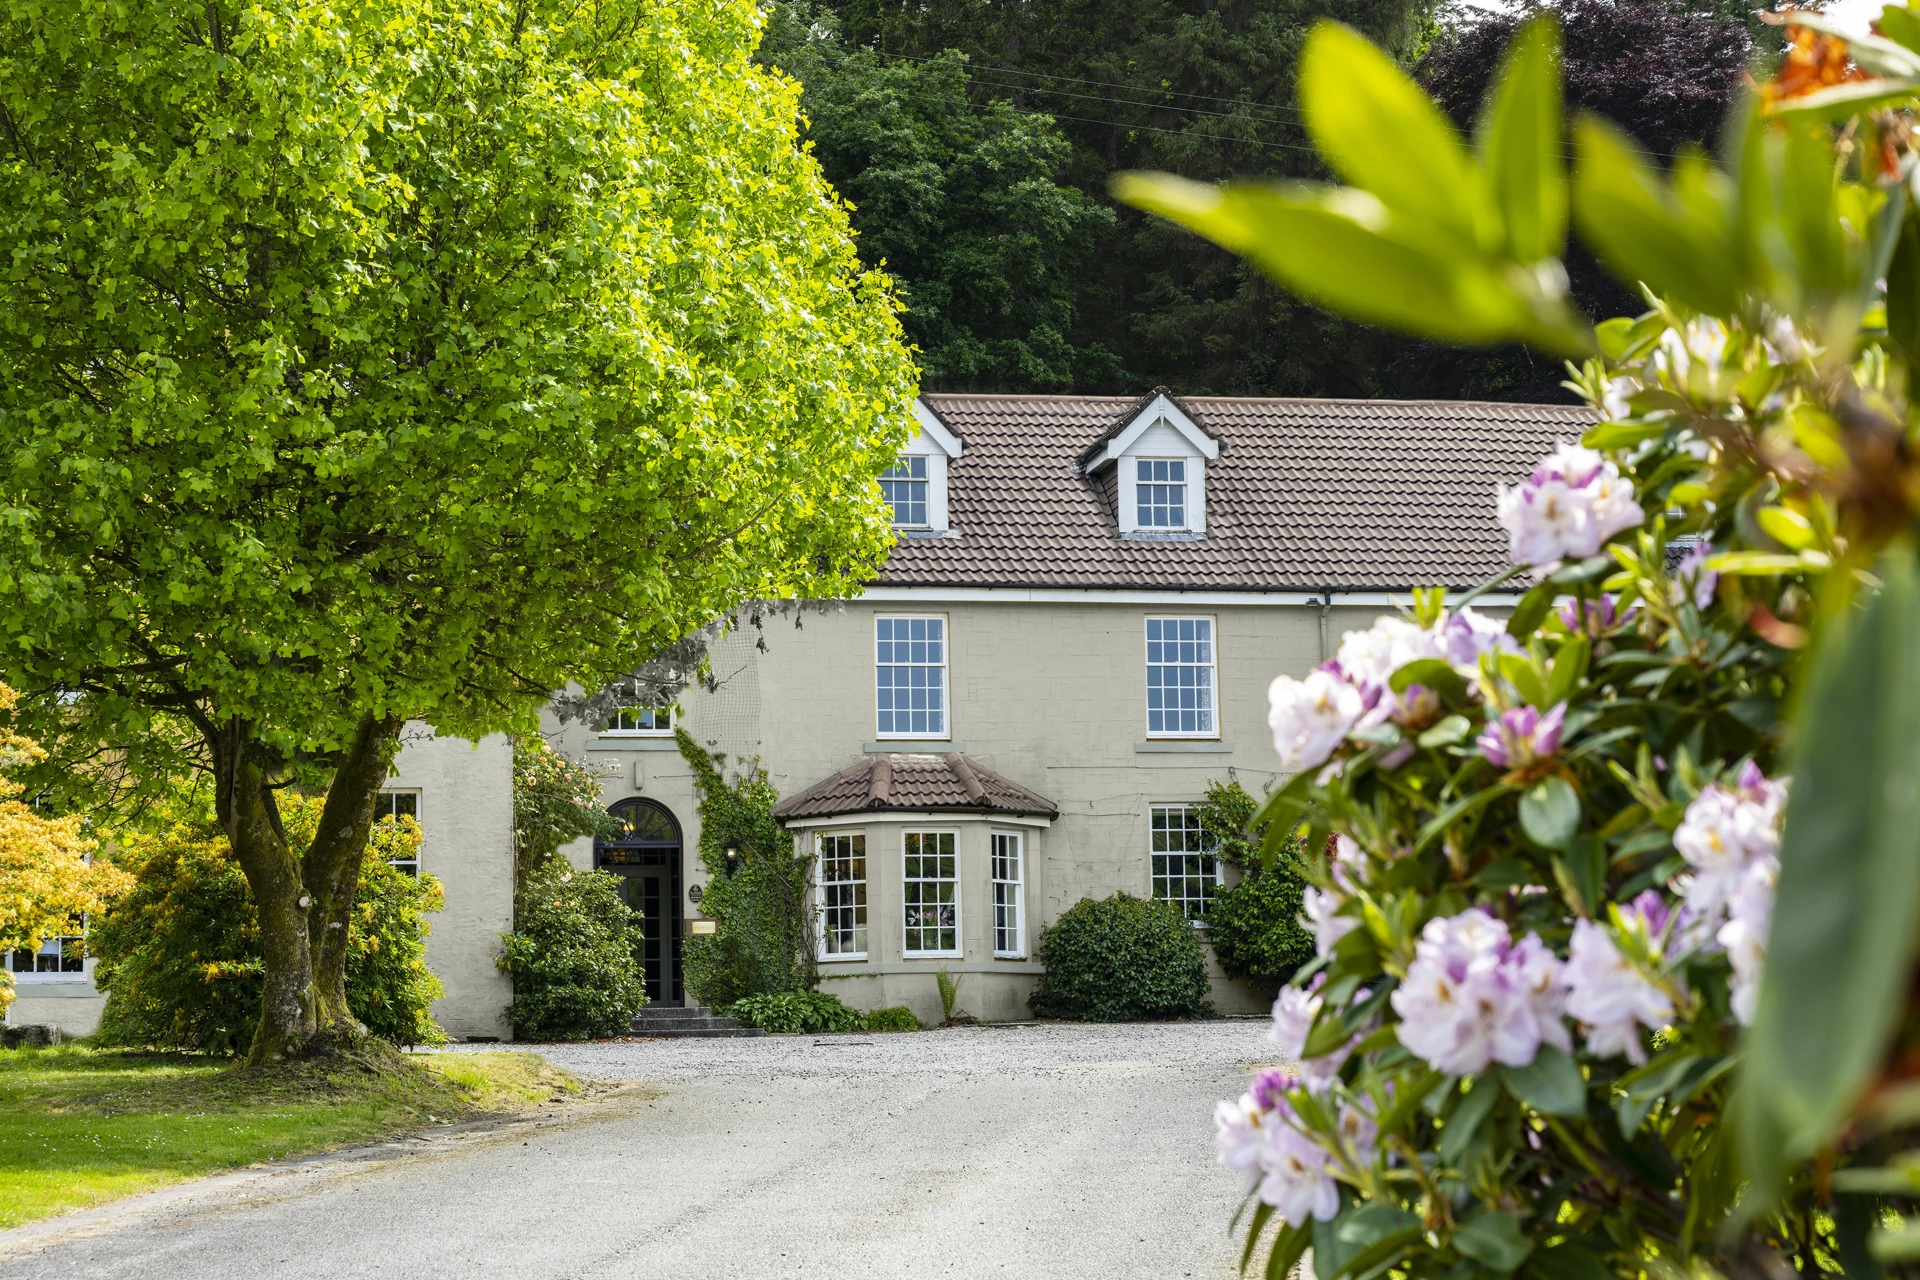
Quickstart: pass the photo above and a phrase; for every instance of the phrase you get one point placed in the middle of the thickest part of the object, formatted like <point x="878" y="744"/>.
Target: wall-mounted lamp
<point x="733" y="861"/>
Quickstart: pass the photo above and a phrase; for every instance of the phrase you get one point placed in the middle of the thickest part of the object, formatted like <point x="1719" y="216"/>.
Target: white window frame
<point x="1008" y="893"/>
<point x="1155" y="877"/>
<point x="906" y="929"/>
<point x="1184" y="485"/>
<point x="1213" y="674"/>
<point x="52" y="945"/>
<point x="673" y="718"/>
<point x="924" y="480"/>
<point x="945" y="732"/>
<point x="386" y="809"/>
<point x="858" y="906"/>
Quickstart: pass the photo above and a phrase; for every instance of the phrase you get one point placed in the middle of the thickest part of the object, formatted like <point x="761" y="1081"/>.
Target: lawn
<point x="80" y="1126"/>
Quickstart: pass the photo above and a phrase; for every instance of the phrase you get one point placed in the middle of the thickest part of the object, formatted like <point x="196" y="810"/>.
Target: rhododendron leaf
<point x="1453" y="729"/>
<point x="1465" y="805"/>
<point x="1838" y="102"/>
<point x="1569" y="665"/>
<point x="1430" y="673"/>
<point x="1639" y="229"/>
<point x="1494" y="1239"/>
<point x="1841" y="947"/>
<point x="1531" y="611"/>
<point x="1903" y="309"/>
<point x="1361" y="1238"/>
<point x="1550" y="813"/>
<point x="1261" y="1213"/>
<point x="1582" y="873"/>
<point x="1622" y="435"/>
<point x="1288" y="1247"/>
<point x="1568" y="1260"/>
<point x="1900" y="25"/>
<point x="1550" y="1084"/>
<point x="1456" y="1135"/>
<point x="1527" y="680"/>
<point x="1521" y="144"/>
<point x="1381" y="132"/>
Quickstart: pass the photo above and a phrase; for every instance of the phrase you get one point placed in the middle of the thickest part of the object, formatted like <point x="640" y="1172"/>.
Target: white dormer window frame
<point x="1161" y="432"/>
<point x="932" y="447"/>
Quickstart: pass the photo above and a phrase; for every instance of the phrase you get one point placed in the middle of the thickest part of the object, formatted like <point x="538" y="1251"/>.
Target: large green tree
<point x="365" y="363"/>
<point x="959" y="196"/>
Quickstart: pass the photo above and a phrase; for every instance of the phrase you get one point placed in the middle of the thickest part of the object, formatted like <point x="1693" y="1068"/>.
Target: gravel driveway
<point x="1035" y="1151"/>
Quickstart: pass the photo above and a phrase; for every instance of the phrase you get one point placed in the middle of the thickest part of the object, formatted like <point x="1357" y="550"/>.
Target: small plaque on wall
<point x="695" y="893"/>
<point x="702" y="928"/>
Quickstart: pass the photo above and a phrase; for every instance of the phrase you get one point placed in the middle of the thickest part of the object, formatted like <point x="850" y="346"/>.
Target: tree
<point x="1205" y="90"/>
<point x="555" y="799"/>
<point x="959" y="200"/>
<point x="47" y="878"/>
<point x="357" y="366"/>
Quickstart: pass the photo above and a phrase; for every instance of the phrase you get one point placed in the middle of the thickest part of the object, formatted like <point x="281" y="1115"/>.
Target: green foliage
<point x="1254" y="926"/>
<point x="960" y="199"/>
<point x="1762" y="410"/>
<point x="764" y="943"/>
<point x="575" y="973"/>
<point x="949" y="993"/>
<point x="179" y="954"/>
<point x="555" y="799"/>
<point x="893" y="1018"/>
<point x="1121" y="959"/>
<point x="1226" y="815"/>
<point x="796" y="1012"/>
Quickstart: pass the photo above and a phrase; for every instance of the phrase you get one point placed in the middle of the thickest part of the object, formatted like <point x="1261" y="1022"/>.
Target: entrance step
<point x="696" y="1022"/>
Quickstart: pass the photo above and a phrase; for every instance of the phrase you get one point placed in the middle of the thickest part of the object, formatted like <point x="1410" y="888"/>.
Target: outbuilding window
<point x="391" y="806"/>
<point x="1180" y="678"/>
<point x="932" y="894"/>
<point x="842" y="878"/>
<point x="905" y="486"/>
<point x="1009" y="885"/>
<point x="1160" y="493"/>
<point x="640" y="722"/>
<point x="910" y="674"/>
<point x="1185" y="870"/>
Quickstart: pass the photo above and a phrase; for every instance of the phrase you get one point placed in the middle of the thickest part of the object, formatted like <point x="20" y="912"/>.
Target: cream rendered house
<point x="1072" y="637"/>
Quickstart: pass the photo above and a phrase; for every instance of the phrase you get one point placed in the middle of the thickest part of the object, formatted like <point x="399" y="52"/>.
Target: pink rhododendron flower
<point x="1608" y="994"/>
<point x="1593" y="617"/>
<point x="1294" y="1010"/>
<point x="1695" y="581"/>
<point x="1568" y="508"/>
<point x="1744" y="935"/>
<point x="1471" y="998"/>
<point x="1522" y="736"/>
<point x="1311" y="717"/>
<point x="1369" y="658"/>
<point x="1289" y="1170"/>
<point x="1724" y="833"/>
<point x="1466" y="635"/>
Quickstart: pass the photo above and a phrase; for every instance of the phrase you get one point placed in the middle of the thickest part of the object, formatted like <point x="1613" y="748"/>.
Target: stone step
<point x="697" y="1033"/>
<point x="693" y="1022"/>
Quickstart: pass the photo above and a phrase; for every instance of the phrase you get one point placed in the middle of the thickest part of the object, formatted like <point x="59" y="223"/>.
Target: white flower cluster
<point x="1310" y="718"/>
<point x="1472" y="998"/>
<point x="1568" y="508"/>
<point x="1608" y="992"/>
<point x="1730" y="838"/>
<point x="1322" y="918"/>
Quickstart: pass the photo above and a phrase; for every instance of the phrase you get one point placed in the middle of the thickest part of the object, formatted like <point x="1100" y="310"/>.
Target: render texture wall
<point x="466" y="820"/>
<point x="1052" y="695"/>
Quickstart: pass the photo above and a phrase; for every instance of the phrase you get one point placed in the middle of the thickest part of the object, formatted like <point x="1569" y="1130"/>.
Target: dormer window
<point x="904" y="485"/>
<point x="1160" y="493"/>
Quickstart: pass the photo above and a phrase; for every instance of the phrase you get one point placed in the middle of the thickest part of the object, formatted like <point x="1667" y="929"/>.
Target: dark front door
<point x="645" y="853"/>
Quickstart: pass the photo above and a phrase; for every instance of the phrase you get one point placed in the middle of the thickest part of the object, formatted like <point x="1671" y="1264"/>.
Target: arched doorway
<point x="645" y="853"/>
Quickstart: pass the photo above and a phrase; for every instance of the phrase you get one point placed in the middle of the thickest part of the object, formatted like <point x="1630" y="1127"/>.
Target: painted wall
<point x="466" y="821"/>
<point x="1052" y="696"/>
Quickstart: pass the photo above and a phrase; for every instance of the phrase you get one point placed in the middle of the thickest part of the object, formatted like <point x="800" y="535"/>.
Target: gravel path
<point x="1042" y="1151"/>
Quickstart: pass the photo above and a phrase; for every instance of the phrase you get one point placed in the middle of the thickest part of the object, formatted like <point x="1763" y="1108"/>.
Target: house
<point x="1072" y="637"/>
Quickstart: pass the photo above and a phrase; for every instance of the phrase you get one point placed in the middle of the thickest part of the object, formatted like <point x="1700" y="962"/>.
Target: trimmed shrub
<point x="1255" y="927"/>
<point x="791" y="1012"/>
<point x="893" y="1018"/>
<point x="1121" y="959"/>
<point x="575" y="974"/>
<point x="179" y="954"/>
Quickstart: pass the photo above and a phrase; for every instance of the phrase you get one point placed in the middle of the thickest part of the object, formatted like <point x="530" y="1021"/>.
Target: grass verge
<point x="81" y="1126"/>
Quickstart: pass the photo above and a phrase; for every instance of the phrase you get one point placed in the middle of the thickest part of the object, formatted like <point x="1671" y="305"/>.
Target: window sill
<point x="930" y="955"/>
<point x="925" y="533"/>
<point x="1015" y="956"/>
<point x="844" y="959"/>
<point x="1181" y="746"/>
<point x="633" y="744"/>
<point x="909" y="746"/>
<point x="1170" y="535"/>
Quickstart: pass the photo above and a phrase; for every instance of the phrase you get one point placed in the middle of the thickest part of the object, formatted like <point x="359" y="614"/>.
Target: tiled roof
<point x="1348" y="494"/>
<point x="882" y="782"/>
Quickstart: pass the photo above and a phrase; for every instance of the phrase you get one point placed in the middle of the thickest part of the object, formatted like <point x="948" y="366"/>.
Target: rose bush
<point x="1598" y="989"/>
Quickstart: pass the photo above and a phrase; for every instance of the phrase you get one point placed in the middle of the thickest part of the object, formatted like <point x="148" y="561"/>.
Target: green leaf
<point x="1261" y="1212"/>
<point x="1381" y="132"/>
<point x="1838" y="102"/>
<point x="1531" y="611"/>
<point x="1841" y="948"/>
<point x="1345" y="250"/>
<point x="1465" y="1121"/>
<point x="1288" y="1246"/>
<point x="1521" y="144"/>
<point x="1622" y="435"/>
<point x="1430" y="673"/>
<point x="1494" y="1239"/>
<point x="1903" y="286"/>
<point x="1550" y="813"/>
<point x="1901" y="25"/>
<point x="1447" y="732"/>
<point x="1550" y="1084"/>
<point x="1641" y="230"/>
<point x="1361" y="1236"/>
<point x="1569" y="1260"/>
<point x="1582" y="873"/>
<point x="1568" y="666"/>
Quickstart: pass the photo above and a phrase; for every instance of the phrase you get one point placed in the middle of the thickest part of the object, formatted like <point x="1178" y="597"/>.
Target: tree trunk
<point x="244" y="804"/>
<point x="331" y="867"/>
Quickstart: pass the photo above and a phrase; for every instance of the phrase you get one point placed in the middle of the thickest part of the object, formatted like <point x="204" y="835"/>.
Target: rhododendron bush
<point x="1615" y="894"/>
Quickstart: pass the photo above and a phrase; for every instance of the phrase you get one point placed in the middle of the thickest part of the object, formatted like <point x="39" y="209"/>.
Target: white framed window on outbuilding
<point x="391" y="806"/>
<point x="1182" y="678"/>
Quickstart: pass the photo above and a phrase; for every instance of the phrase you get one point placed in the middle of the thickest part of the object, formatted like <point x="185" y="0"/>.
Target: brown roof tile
<point x="882" y="782"/>
<point x="1349" y="494"/>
